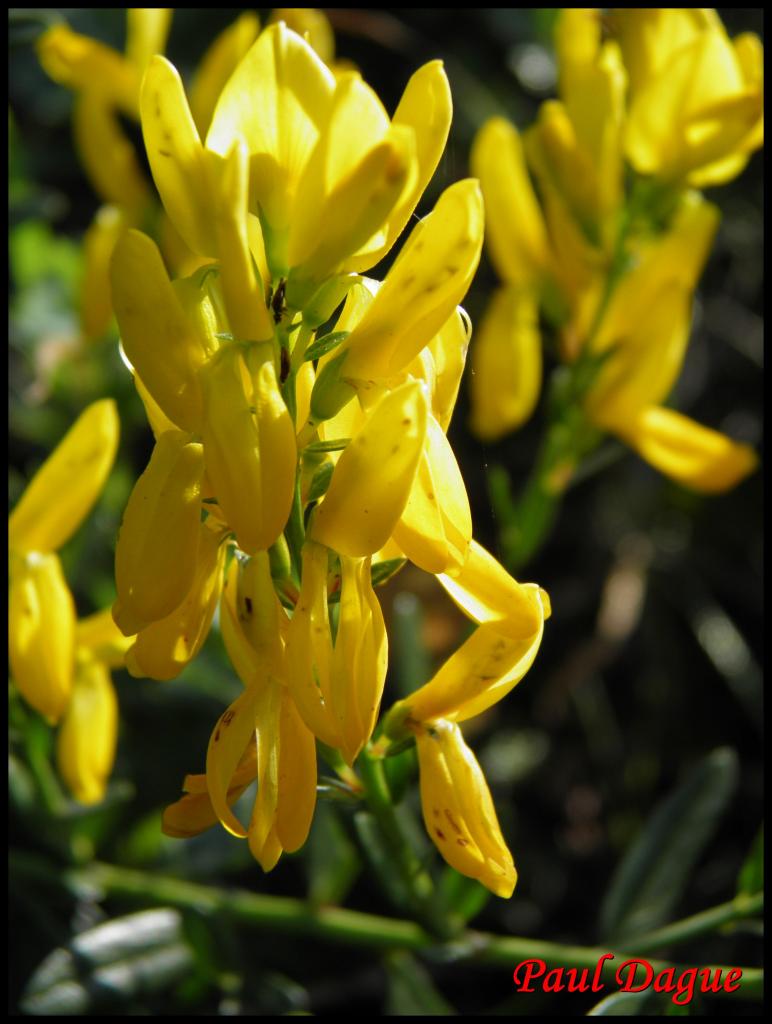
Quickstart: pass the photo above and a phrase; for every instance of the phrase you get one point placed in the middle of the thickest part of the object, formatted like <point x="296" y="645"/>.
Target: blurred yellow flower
<point x="59" y="665"/>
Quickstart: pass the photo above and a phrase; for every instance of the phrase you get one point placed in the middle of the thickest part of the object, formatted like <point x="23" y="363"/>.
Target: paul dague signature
<point x="630" y="976"/>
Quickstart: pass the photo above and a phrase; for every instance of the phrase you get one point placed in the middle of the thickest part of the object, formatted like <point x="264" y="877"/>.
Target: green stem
<point x="689" y="928"/>
<point x="414" y="875"/>
<point x="349" y="927"/>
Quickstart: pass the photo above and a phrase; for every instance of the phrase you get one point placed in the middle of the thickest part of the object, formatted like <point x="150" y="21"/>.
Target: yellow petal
<point x="448" y="350"/>
<point x="356" y="174"/>
<point x="41" y="634"/>
<point x="297" y="777"/>
<point x="435" y="528"/>
<point x="155" y="556"/>
<point x="156" y="417"/>
<point x="62" y="492"/>
<point x="515" y="230"/>
<point x="309" y="648"/>
<point x="360" y="658"/>
<point x="650" y="37"/>
<point x="85" y="747"/>
<point x="233" y="611"/>
<point x="217" y="65"/>
<point x="250" y="456"/>
<point x="458" y="810"/>
<point x="422" y="289"/>
<point x="695" y="456"/>
<point x="646" y="364"/>
<point x="85" y="64"/>
<point x="427" y="109"/>
<point x="99" y="636"/>
<point x="310" y="23"/>
<point x="165" y="647"/>
<point x="371" y="482"/>
<point x="482" y="671"/>
<point x="506" y="364"/>
<point x="147" y="29"/>
<point x="696" y="111"/>
<point x="278" y="101"/>
<point x="158" y="338"/>
<point x="235" y="730"/>
<point x="486" y="592"/>
<point x="98" y="244"/>
<point x="109" y="158"/>
<point x="193" y="813"/>
<point x="177" y="158"/>
<point x="263" y="842"/>
<point x="242" y="289"/>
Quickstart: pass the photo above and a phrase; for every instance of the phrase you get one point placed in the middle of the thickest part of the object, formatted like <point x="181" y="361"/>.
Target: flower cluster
<point x="60" y="665"/>
<point x="654" y="104"/>
<point x="107" y="85"/>
<point x="296" y="466"/>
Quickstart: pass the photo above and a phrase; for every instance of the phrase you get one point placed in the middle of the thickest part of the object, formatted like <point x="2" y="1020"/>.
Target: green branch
<point x="351" y="927"/>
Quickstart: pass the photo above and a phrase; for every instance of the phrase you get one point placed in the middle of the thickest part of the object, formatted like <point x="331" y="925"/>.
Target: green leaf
<point x="320" y="482"/>
<point x="411" y="990"/>
<point x="751" y="877"/>
<point x="108" y="965"/>
<point x="649" y="881"/>
<point x="383" y="571"/>
<point x="464" y="896"/>
<point x="621" y="1004"/>
<point x="322" y="346"/>
<point x="336" y="445"/>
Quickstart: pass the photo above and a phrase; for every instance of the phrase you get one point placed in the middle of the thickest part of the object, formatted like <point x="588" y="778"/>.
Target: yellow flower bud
<point x="163" y="648"/>
<point x="159" y="340"/>
<point x="458" y="810"/>
<point x="62" y="492"/>
<point x="155" y="557"/>
<point x="41" y="634"/>
<point x="249" y="444"/>
<point x="85" y="748"/>
<point x="373" y="477"/>
<point x="506" y="364"/>
<point x="96" y="307"/>
<point x="514" y="227"/>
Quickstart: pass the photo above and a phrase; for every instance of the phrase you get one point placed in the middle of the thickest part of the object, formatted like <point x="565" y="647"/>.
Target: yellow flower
<point x="61" y="666"/>
<point x="261" y="735"/>
<point x="506" y="364"/>
<point x="458" y="810"/>
<point x="337" y="686"/>
<point x="157" y="549"/>
<point x="41" y="609"/>
<point x="373" y="477"/>
<point x="332" y="179"/>
<point x="457" y="806"/>
<point x="250" y="455"/>
<point x="696" y="97"/>
<point x="645" y="332"/>
<point x="107" y="86"/>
